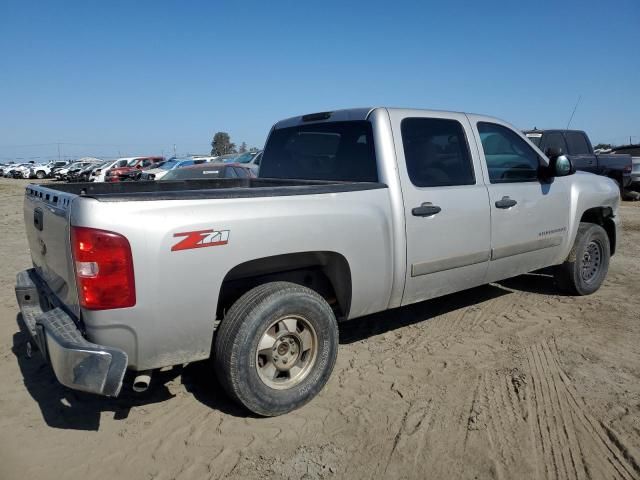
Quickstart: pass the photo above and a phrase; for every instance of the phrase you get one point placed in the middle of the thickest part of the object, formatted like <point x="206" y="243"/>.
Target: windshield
<point x="213" y="171"/>
<point x="244" y="158"/>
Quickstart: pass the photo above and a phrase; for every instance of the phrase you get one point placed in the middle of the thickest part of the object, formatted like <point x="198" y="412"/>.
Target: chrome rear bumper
<point x="76" y="362"/>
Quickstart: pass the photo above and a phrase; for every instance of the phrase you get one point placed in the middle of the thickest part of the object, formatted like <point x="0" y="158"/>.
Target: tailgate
<point x="46" y="221"/>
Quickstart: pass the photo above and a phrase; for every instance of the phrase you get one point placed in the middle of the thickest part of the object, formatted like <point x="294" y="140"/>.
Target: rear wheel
<point x="40" y="175"/>
<point x="588" y="263"/>
<point x="276" y="348"/>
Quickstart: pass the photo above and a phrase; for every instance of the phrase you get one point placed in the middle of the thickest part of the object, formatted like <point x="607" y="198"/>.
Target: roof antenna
<point x="574" y="111"/>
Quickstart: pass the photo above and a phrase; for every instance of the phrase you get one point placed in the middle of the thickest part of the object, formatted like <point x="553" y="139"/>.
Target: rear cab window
<point x="553" y="140"/>
<point x="339" y="151"/>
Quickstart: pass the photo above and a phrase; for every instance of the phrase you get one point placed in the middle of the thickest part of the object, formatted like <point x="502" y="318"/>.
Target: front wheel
<point x="40" y="175"/>
<point x="276" y="348"/>
<point x="588" y="263"/>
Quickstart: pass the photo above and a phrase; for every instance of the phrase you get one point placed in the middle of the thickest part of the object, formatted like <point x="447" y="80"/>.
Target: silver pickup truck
<point x="356" y="211"/>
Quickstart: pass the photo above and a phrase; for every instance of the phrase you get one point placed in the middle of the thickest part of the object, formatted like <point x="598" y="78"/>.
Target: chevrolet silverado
<point x="356" y="211"/>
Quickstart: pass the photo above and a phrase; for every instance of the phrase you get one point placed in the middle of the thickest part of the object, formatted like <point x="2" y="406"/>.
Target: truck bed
<point x="200" y="189"/>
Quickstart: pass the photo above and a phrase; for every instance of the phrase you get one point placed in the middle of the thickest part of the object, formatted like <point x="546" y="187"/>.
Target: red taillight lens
<point x="104" y="269"/>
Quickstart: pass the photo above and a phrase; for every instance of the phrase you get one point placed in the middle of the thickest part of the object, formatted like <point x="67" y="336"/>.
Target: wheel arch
<point x="326" y="272"/>
<point x="602" y="216"/>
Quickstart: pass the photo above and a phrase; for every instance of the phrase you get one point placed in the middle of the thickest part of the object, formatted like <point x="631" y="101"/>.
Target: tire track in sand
<point x="571" y="443"/>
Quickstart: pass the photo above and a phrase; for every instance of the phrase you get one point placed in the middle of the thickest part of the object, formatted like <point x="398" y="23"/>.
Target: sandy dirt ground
<point x="510" y="380"/>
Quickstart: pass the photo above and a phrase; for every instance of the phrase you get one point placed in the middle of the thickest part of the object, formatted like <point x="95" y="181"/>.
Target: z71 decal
<point x="200" y="239"/>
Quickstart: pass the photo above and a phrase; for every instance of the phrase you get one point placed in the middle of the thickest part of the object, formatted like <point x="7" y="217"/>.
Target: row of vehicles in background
<point x="138" y="168"/>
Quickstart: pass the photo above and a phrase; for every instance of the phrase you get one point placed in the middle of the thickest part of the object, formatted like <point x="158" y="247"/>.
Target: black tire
<point x="40" y="175"/>
<point x="236" y="358"/>
<point x="588" y="263"/>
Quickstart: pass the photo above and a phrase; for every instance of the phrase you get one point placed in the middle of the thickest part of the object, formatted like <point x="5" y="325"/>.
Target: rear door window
<point x="340" y="151"/>
<point x="436" y="152"/>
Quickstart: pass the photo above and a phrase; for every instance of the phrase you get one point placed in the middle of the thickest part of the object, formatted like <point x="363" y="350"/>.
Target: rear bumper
<point x="76" y="362"/>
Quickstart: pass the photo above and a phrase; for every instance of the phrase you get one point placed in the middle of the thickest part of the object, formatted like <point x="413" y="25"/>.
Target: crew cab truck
<point x="576" y="145"/>
<point x="358" y="211"/>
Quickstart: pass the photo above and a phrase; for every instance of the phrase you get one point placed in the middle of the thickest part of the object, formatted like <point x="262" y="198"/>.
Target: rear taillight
<point x="104" y="269"/>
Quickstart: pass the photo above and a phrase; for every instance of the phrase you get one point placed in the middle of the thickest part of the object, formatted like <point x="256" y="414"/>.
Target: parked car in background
<point x="577" y="146"/>
<point x="250" y="159"/>
<point x="209" y="170"/>
<point x="61" y="173"/>
<point x="130" y="171"/>
<point x="44" y="170"/>
<point x="161" y="169"/>
<point x="360" y="211"/>
<point x="72" y="171"/>
<point x="4" y="167"/>
<point x="634" y="151"/>
<point x="85" y="174"/>
<point x="97" y="171"/>
<point x="30" y="171"/>
<point x="58" y="165"/>
<point x="18" y="170"/>
<point x="101" y="173"/>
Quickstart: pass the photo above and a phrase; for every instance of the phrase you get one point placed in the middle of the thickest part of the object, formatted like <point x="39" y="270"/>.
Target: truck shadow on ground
<point x="379" y="323"/>
<point x="64" y="408"/>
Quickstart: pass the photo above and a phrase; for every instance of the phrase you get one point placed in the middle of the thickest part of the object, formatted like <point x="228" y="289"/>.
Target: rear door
<point x="529" y="218"/>
<point x="446" y="204"/>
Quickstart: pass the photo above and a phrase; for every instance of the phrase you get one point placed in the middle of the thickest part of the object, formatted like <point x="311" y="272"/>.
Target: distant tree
<point x="243" y="147"/>
<point x="221" y="144"/>
<point x="603" y="146"/>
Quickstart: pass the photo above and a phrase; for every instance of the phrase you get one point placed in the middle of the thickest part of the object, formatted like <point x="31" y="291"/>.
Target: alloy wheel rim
<point x="286" y="352"/>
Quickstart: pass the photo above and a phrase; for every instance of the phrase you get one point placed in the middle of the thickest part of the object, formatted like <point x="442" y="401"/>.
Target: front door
<point x="446" y="204"/>
<point x="529" y="218"/>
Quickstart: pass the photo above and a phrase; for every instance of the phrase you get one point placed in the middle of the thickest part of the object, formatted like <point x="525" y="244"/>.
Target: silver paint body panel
<point x="394" y="258"/>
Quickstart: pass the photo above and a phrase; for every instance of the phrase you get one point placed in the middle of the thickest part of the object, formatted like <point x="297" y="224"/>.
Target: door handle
<point x="506" y="202"/>
<point x="425" y="210"/>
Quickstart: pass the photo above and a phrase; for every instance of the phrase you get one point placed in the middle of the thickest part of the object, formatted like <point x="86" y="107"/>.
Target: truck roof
<point x="553" y="130"/>
<point x="354" y="114"/>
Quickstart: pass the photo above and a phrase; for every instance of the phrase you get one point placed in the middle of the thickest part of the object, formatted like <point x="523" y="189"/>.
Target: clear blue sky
<point x="136" y="77"/>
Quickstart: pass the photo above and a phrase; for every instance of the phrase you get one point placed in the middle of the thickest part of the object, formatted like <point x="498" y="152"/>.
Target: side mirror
<point x="563" y="166"/>
<point x="559" y="165"/>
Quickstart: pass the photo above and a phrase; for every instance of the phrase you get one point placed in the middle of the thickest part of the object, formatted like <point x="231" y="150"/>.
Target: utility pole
<point x="174" y="149"/>
<point x="58" y="151"/>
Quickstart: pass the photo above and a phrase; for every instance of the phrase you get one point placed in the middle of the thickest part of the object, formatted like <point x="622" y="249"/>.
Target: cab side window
<point x="509" y="158"/>
<point x="436" y="152"/>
